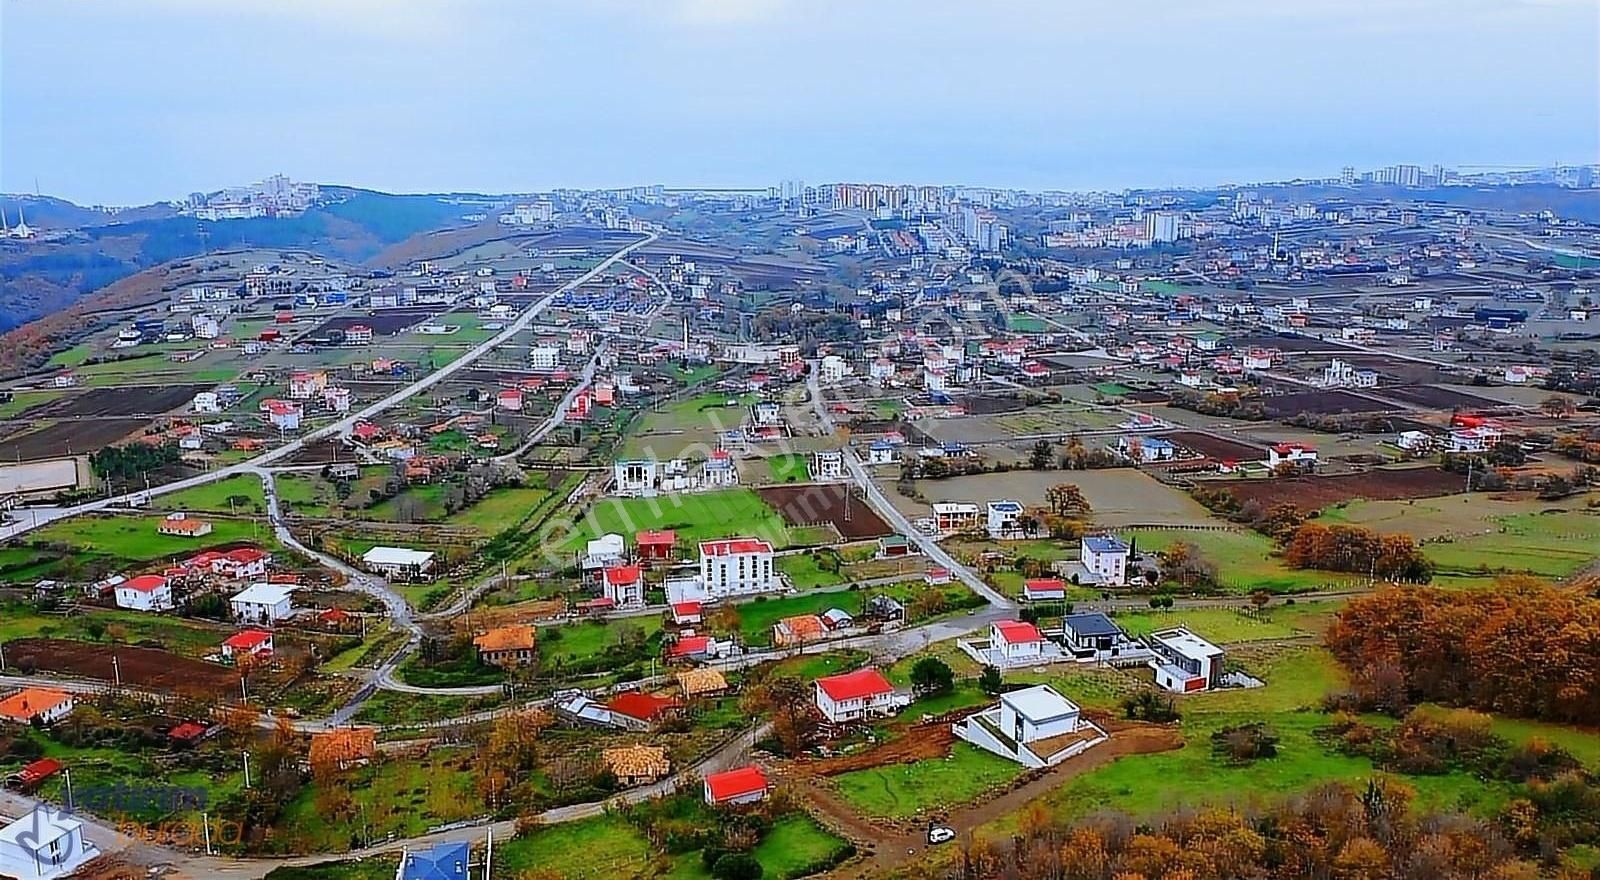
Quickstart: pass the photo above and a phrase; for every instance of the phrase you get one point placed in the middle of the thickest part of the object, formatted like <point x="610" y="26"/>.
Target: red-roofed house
<point x="242" y="563"/>
<point x="147" y="592"/>
<point x="1300" y="455"/>
<point x="686" y="613"/>
<point x="509" y="399"/>
<point x="641" y="710"/>
<point x="737" y="566"/>
<point x="45" y="705"/>
<point x="251" y="642"/>
<point x="1016" y="642"/>
<point x="654" y="546"/>
<point x="744" y="785"/>
<point x="624" y="585"/>
<point x="852" y="696"/>
<point x="38" y="771"/>
<point x="1044" y="589"/>
<point x="690" y="648"/>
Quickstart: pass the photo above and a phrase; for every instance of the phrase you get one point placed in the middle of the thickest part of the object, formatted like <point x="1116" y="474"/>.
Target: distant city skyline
<point x="124" y="104"/>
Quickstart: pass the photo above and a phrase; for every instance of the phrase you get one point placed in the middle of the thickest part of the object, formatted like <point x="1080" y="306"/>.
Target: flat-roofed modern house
<point x="1036" y="727"/>
<point x="398" y="562"/>
<point x="1184" y="662"/>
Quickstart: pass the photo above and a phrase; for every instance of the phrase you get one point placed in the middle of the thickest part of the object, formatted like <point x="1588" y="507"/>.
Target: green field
<point x="123" y="627"/>
<point x="1484" y="535"/>
<point x="789" y="468"/>
<point x="214" y="497"/>
<point x="696" y="517"/>
<point x="1191" y="775"/>
<point x="803" y="570"/>
<point x="24" y="400"/>
<point x="1222" y="626"/>
<point x="134" y="538"/>
<point x="404" y="797"/>
<point x="1244" y="559"/>
<point x="899" y="791"/>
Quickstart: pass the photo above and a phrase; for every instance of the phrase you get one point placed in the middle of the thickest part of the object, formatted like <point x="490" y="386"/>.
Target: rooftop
<point x="1039" y="704"/>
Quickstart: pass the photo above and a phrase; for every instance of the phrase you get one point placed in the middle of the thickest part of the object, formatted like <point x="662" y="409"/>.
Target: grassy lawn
<point x="796" y="846"/>
<point x="134" y="538"/>
<point x="898" y="791"/>
<point x="376" y="868"/>
<point x="213" y="497"/>
<point x="757" y="617"/>
<point x="696" y="517"/>
<point x="499" y="509"/>
<point x="1244" y="559"/>
<point x="73" y="356"/>
<point x="1296" y="681"/>
<point x="789" y="468"/>
<point x="805" y="573"/>
<point x="404" y="797"/>
<point x="123" y="627"/>
<point x="1218" y="625"/>
<point x="589" y="639"/>
<point x="23" y="400"/>
<point x="1484" y="534"/>
<point x="601" y="848"/>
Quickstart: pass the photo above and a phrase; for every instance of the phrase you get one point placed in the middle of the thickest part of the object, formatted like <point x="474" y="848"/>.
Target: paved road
<point x="29" y="520"/>
<point x="892" y="515"/>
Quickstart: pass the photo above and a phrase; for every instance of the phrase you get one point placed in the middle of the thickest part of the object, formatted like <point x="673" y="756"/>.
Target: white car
<point x="938" y="834"/>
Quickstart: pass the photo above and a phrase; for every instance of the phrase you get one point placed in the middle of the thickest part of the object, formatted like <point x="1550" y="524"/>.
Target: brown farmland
<point x="151" y="668"/>
<point x="134" y="400"/>
<point x="818" y="503"/>
<point x="1314" y="493"/>
<point x="67" y="438"/>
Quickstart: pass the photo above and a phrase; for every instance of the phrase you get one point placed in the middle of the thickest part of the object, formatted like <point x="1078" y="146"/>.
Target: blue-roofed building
<point x="445" y="861"/>
<point x="1004" y="520"/>
<point x="1106" y="558"/>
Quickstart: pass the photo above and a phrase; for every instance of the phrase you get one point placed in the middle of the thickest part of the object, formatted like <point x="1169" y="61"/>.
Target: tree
<point x="1184" y="563"/>
<point x="1040" y="457"/>
<point x="931" y="676"/>
<point x="990" y="681"/>
<point x="736" y="866"/>
<point x="1066" y="499"/>
<point x="1557" y="406"/>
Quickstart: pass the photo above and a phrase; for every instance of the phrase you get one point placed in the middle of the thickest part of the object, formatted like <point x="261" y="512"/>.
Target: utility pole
<point x="116" y="670"/>
<point x="246" y="753"/>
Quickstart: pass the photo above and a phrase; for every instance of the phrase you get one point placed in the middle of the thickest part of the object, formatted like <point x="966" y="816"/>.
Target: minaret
<point x="5" y="228"/>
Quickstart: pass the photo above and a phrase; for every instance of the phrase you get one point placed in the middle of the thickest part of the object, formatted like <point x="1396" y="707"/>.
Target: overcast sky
<point x="128" y="101"/>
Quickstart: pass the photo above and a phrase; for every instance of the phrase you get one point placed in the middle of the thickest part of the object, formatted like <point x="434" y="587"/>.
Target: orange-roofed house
<point x="743" y="785"/>
<point x="180" y="525"/>
<point x="508" y="646"/>
<point x="343" y="747"/>
<point x="41" y="705"/>
<point x="798" y="630"/>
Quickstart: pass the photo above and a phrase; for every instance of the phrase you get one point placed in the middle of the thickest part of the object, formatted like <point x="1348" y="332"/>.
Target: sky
<point x="129" y="101"/>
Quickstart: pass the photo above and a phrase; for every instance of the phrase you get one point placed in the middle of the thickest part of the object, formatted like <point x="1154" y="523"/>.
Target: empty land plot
<point x="387" y="322"/>
<point x="1379" y="484"/>
<point x="139" y="667"/>
<point x="679" y="429"/>
<point x="130" y="401"/>
<point x="1478" y="534"/>
<point x="1119" y="496"/>
<point x="833" y="504"/>
<point x="1246" y="561"/>
<point x="59" y="439"/>
<point x="695" y="517"/>
<point x="1322" y="403"/>
<point x="1217" y="448"/>
<point x="1436" y="397"/>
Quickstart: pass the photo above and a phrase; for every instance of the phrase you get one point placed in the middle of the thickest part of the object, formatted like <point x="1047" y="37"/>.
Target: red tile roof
<point x="666" y="536"/>
<point x="736" y="783"/>
<point x="247" y="639"/>
<point x="40" y="770"/>
<point x="1016" y="632"/>
<point x="858" y="685"/>
<point x="688" y="646"/>
<point x="622" y="574"/>
<point x="645" y="707"/>
<point x="145" y="583"/>
<point x="734" y="545"/>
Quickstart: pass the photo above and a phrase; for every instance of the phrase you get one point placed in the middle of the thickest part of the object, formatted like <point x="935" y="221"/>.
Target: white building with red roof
<point x="737" y="566"/>
<point x="853" y="696"/>
<point x="624" y="585"/>
<point x="1016" y="641"/>
<point x="147" y="592"/>
<point x="742" y="785"/>
<point x="249" y="642"/>
<point x="241" y="563"/>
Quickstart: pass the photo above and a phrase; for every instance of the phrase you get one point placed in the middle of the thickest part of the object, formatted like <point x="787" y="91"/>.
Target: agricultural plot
<point x="1246" y="561"/>
<point x="1283" y="406"/>
<point x="826" y="504"/>
<point x="789" y="468"/>
<point x="141" y="400"/>
<point x="140" y="667"/>
<point x="1311" y="493"/>
<point x="240" y="493"/>
<point x="1478" y="534"/>
<point x="688" y="428"/>
<point x="1297" y="679"/>
<point x="1438" y="397"/>
<point x="695" y="517"/>
<point x="59" y="439"/>
<point x="133" y="539"/>
<point x="1119" y="496"/>
<point x="900" y="791"/>
<point x="1034" y="421"/>
<point x="23" y="401"/>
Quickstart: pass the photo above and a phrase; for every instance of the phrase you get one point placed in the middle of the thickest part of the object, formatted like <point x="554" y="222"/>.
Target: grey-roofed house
<point x="1092" y="631"/>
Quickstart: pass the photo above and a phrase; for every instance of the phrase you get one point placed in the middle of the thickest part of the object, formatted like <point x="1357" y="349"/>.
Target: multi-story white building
<point x="635" y="477"/>
<point x="1004" y="520"/>
<point x="1106" y="557"/>
<point x="737" y="566"/>
<point x="544" y="357"/>
<point x="854" y="696"/>
<point x="148" y="592"/>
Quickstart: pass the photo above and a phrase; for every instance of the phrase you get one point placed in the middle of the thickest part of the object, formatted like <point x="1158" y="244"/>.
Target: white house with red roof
<point x="1300" y="455"/>
<point x="1044" y="589"/>
<point x="284" y="415"/>
<point x="1013" y="643"/>
<point x="624" y="585"/>
<point x="147" y="592"/>
<point x="737" y="566"/>
<point x="853" y="696"/>
<point x="509" y="399"/>
<point x="249" y="642"/>
<point x="241" y="563"/>
<point x="741" y="785"/>
<point x="687" y="613"/>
